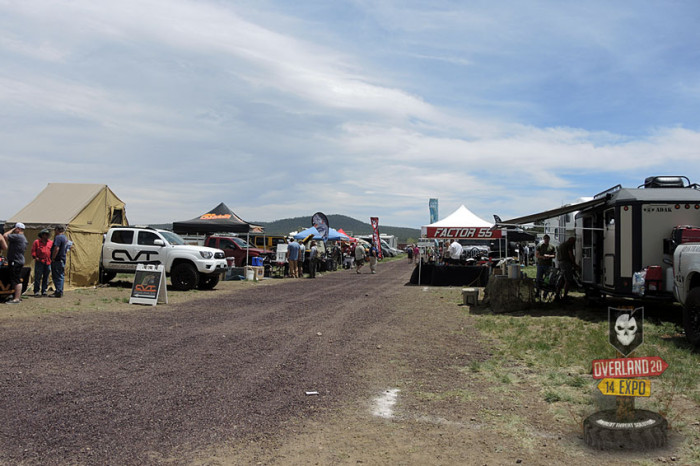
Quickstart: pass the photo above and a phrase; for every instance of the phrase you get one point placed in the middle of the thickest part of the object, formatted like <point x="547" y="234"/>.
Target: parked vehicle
<point x="187" y="266"/>
<point x="239" y="249"/>
<point x="685" y="242"/>
<point x="268" y="243"/>
<point x="624" y="243"/>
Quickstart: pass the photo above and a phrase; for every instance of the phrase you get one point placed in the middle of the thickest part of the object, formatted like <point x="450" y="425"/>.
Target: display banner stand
<point x="149" y="285"/>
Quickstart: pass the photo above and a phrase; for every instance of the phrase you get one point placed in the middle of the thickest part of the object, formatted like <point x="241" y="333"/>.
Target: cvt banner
<point x="433" y="206"/>
<point x="375" y="235"/>
<point x="320" y="222"/>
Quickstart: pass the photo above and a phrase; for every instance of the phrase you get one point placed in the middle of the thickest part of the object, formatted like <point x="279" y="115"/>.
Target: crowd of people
<point x="49" y="259"/>
<point x="352" y="255"/>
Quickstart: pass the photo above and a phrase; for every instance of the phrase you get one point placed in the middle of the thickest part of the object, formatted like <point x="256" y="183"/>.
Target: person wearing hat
<point x="41" y="252"/>
<point x="16" y="245"/>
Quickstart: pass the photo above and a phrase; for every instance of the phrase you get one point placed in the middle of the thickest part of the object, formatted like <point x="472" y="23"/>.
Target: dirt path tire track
<point x="125" y="387"/>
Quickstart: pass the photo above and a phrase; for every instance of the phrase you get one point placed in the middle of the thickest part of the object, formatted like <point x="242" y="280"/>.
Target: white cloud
<point x="179" y="105"/>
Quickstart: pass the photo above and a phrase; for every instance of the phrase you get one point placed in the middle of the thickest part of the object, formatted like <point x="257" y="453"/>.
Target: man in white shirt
<point x="455" y="252"/>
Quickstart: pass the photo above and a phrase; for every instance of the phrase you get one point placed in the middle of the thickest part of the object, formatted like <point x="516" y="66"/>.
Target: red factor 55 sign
<point x="463" y="233"/>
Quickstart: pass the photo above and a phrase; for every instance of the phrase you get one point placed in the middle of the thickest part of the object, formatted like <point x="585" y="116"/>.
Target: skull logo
<point x="626" y="329"/>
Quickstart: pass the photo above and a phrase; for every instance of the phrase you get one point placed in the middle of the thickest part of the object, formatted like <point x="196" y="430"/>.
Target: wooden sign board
<point x="625" y="387"/>
<point x="149" y="285"/>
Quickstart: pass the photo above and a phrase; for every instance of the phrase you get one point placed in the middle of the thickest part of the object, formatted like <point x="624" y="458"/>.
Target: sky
<point x="356" y="107"/>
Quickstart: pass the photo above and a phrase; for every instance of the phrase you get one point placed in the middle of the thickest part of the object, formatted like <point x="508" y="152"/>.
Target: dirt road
<point x="225" y="379"/>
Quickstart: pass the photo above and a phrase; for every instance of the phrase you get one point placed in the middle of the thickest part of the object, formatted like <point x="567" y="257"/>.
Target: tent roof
<point x="333" y="235"/>
<point x="462" y="217"/>
<point x="58" y="203"/>
<point x="219" y="219"/>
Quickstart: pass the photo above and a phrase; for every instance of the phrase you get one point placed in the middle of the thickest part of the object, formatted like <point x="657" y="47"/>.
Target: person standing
<point x="544" y="254"/>
<point x="293" y="258"/>
<point x="41" y="252"/>
<point x="567" y="263"/>
<point x="302" y="258"/>
<point x="16" y="245"/>
<point x="373" y="258"/>
<point x="359" y="257"/>
<point x="416" y="254"/>
<point x="58" y="260"/>
<point x="313" y="260"/>
<point x="455" y="252"/>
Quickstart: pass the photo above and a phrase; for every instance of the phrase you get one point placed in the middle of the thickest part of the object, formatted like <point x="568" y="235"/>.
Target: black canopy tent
<point x="219" y="219"/>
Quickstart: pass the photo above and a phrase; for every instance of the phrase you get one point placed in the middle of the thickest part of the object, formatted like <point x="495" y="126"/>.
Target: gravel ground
<point x="222" y="377"/>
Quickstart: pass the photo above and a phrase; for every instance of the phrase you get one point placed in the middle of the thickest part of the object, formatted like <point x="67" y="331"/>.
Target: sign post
<point x="149" y="285"/>
<point x="626" y="426"/>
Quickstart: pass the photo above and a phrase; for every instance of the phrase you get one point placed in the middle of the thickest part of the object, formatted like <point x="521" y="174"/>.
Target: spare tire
<point x="646" y="430"/>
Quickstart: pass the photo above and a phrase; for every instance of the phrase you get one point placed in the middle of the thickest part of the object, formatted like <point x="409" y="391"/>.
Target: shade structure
<point x="219" y="219"/>
<point x="333" y="234"/>
<point x="461" y="224"/>
<point x="87" y="211"/>
<point x="350" y="238"/>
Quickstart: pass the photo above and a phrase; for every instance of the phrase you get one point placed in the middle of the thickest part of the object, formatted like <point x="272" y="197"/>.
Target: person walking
<point x="58" y="260"/>
<point x="373" y="258"/>
<point x="16" y="245"/>
<point x="41" y="252"/>
<point x="416" y="254"/>
<point x="359" y="257"/>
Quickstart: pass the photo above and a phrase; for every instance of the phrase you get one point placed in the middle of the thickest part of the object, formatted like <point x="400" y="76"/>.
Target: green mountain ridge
<point x="350" y="225"/>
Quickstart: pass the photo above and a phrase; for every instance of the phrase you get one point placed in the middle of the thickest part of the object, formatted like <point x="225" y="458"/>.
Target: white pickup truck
<point x="686" y="278"/>
<point x="188" y="266"/>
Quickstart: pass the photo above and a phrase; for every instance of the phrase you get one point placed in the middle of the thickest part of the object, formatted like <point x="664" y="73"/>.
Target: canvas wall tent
<point x="87" y="211"/>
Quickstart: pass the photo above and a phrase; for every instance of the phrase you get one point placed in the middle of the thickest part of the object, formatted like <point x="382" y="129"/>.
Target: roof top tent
<point x="628" y="230"/>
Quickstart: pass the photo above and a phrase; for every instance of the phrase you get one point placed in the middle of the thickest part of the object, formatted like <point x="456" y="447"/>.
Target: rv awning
<point x="553" y="212"/>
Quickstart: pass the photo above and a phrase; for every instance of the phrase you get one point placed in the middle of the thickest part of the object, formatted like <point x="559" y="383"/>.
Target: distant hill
<point x="350" y="225"/>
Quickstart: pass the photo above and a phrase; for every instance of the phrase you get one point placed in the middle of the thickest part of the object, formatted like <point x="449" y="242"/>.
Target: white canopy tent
<point x="461" y="224"/>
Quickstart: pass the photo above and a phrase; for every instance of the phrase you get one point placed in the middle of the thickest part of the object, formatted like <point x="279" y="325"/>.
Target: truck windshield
<point x="240" y="242"/>
<point x="171" y="237"/>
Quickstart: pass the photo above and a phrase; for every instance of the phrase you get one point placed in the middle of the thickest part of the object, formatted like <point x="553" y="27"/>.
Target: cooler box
<point x="256" y="261"/>
<point x="653" y="279"/>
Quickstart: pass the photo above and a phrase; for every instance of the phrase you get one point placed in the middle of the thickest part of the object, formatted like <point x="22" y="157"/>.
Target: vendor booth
<point x="220" y="219"/>
<point x="462" y="224"/>
<point x="87" y="211"/>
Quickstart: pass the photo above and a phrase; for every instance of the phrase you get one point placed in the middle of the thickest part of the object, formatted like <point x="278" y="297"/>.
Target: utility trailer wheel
<point x="645" y="431"/>
<point x="691" y="316"/>
<point x="184" y="277"/>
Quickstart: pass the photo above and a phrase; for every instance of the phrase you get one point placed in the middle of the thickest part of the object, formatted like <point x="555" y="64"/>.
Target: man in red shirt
<point x="41" y="252"/>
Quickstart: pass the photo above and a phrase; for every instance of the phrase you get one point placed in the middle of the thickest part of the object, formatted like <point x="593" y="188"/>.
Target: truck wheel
<point x="184" y="276"/>
<point x="208" y="281"/>
<point x="106" y="277"/>
<point x="691" y="316"/>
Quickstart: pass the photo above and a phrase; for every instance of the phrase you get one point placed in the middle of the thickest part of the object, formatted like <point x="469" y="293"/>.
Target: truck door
<point x="609" y="248"/>
<point x="148" y="252"/>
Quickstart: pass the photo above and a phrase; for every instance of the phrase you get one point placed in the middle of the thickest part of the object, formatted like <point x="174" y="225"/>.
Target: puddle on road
<point x="384" y="404"/>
